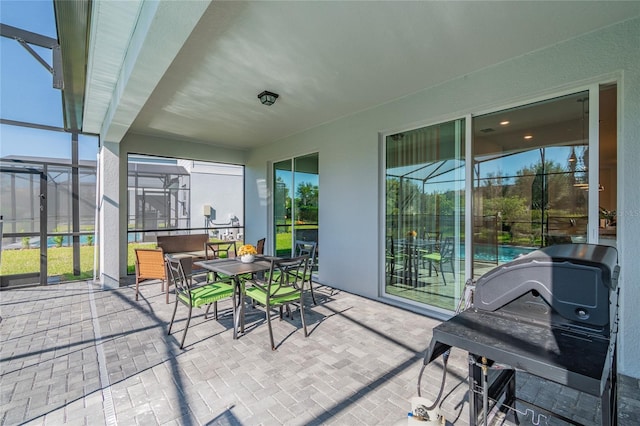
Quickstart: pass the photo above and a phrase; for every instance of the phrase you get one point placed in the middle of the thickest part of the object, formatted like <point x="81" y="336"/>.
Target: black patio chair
<point x="309" y="249"/>
<point x="283" y="285"/>
<point x="194" y="295"/>
<point x="441" y="258"/>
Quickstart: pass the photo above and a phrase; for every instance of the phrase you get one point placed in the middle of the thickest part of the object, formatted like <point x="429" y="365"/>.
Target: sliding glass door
<point x="295" y="206"/>
<point x="533" y="174"/>
<point x="537" y="175"/>
<point x="424" y="214"/>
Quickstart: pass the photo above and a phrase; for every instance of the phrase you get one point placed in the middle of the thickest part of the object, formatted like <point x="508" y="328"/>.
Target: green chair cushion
<point x="260" y="296"/>
<point x="208" y="293"/>
<point x="433" y="256"/>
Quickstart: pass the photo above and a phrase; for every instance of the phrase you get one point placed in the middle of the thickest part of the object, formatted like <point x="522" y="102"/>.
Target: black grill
<point x="551" y="313"/>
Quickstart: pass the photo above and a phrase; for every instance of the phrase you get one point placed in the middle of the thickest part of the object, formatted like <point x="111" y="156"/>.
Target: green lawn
<point x="60" y="262"/>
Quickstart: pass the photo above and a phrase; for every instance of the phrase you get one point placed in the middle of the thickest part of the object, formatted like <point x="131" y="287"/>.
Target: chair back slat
<point x="177" y="276"/>
<point x="306" y="248"/>
<point x="287" y="276"/>
<point x="446" y="251"/>
<point x="220" y="249"/>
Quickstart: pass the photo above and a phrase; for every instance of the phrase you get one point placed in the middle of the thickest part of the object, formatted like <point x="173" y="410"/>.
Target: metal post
<point x="474" y="372"/>
<point x="485" y="392"/>
<point x="75" y="204"/>
<point x="1" y="237"/>
<point x="43" y="226"/>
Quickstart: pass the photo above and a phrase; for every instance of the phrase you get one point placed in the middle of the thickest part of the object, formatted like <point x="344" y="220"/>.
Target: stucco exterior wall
<point x="349" y="157"/>
<point x="223" y="193"/>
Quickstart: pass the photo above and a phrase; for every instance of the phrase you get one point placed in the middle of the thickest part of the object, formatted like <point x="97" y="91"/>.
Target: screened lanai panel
<point x="159" y="193"/>
<point x="175" y="196"/>
<point x="155" y="176"/>
<point x="59" y="197"/>
<point x="19" y="200"/>
<point x="87" y="199"/>
<point x="46" y="164"/>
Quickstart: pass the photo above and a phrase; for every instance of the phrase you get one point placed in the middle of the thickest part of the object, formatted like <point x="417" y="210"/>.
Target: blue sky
<point x="26" y="87"/>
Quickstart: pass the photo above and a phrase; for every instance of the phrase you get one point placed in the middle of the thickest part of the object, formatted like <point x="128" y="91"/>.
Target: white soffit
<point x="327" y="60"/>
<point x="112" y="24"/>
<point x="135" y="42"/>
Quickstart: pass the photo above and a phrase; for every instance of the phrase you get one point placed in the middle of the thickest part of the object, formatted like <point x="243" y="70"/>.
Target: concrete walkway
<point x="73" y="354"/>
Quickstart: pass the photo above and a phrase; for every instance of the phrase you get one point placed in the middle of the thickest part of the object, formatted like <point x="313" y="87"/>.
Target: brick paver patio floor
<point x="74" y="354"/>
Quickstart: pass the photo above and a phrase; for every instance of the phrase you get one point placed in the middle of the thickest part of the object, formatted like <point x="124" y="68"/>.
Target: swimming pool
<point x="496" y="254"/>
<point x="34" y="242"/>
<point x="501" y="253"/>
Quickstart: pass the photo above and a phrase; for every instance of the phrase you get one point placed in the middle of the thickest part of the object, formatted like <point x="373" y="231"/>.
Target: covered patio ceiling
<point x="193" y="70"/>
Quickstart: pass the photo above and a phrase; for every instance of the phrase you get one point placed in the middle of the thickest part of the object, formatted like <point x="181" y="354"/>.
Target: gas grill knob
<point x="582" y="313"/>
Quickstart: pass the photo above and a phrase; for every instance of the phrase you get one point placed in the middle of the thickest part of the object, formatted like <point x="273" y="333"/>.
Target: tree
<point x="307" y="202"/>
<point x="282" y="201"/>
<point x="307" y="194"/>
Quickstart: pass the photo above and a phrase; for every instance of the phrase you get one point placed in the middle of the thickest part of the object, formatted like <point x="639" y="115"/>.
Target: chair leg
<point x="273" y="346"/>
<point x="215" y="310"/>
<point x="444" y="278"/>
<point x="186" y="327"/>
<point x="304" y="324"/>
<point x="175" y="308"/>
<point x="313" y="296"/>
<point x="166" y="293"/>
<point x="137" y="287"/>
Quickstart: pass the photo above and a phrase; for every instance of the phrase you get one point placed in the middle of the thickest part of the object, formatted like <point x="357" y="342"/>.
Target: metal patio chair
<point x="194" y="295"/>
<point x="441" y="258"/>
<point x="284" y="284"/>
<point x="309" y="249"/>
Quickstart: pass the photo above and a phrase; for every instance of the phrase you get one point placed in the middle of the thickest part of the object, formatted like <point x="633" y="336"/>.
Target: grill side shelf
<point x="542" y="351"/>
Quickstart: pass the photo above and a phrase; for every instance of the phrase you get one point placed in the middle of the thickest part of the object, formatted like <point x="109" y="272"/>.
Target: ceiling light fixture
<point x="504" y="122"/>
<point x="268" y="98"/>
<point x="528" y="137"/>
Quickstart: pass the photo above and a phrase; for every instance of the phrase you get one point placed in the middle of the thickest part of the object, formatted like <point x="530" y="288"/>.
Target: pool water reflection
<point x="500" y="253"/>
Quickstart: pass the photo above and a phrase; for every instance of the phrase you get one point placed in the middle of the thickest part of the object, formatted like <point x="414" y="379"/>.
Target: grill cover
<point x="550" y="313"/>
<point x="565" y="285"/>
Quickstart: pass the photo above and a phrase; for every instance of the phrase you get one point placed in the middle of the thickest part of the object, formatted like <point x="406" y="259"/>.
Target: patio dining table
<point x="235" y="268"/>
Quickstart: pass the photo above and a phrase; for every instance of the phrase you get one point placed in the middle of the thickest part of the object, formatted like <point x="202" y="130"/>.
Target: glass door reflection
<point x="424" y="214"/>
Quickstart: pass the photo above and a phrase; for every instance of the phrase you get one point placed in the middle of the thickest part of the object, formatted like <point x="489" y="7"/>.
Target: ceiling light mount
<point x="268" y="98"/>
